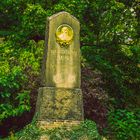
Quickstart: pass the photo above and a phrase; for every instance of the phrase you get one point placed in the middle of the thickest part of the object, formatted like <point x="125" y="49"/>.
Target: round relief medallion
<point x="64" y="35"/>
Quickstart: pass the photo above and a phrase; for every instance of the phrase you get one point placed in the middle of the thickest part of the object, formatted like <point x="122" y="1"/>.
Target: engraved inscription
<point x="66" y="52"/>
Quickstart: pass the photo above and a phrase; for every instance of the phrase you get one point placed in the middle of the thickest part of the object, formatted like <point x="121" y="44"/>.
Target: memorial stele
<point x="60" y="100"/>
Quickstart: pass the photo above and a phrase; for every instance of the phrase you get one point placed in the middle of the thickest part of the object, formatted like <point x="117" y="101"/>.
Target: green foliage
<point x="109" y="38"/>
<point x="33" y="21"/>
<point x="120" y="69"/>
<point x="18" y="66"/>
<point x="14" y="100"/>
<point x="20" y="56"/>
<point x="124" y="125"/>
<point x="86" y="130"/>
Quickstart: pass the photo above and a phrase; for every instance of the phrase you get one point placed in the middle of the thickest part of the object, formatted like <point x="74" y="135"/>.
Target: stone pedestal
<point x="59" y="106"/>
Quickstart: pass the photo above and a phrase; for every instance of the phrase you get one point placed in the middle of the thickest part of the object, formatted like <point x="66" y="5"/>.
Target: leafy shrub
<point x="21" y="59"/>
<point x="19" y="73"/>
<point x="14" y="100"/>
<point x="121" y="72"/>
<point x="124" y="125"/>
<point x="33" y="21"/>
<point x="86" y="130"/>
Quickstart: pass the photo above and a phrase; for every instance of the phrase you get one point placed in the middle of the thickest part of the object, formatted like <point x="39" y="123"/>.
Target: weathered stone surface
<point x="44" y="137"/>
<point x="61" y="66"/>
<point x="59" y="104"/>
<point x="54" y="124"/>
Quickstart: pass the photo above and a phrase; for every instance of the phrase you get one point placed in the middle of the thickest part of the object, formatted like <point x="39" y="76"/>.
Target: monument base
<point x="59" y="106"/>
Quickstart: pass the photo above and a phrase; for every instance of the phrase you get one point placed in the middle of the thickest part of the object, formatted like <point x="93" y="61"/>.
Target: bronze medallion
<point x="64" y="35"/>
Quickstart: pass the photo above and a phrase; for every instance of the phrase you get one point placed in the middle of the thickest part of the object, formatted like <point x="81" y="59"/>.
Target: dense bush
<point x="14" y="100"/>
<point x="124" y="125"/>
<point x="33" y="21"/>
<point x="20" y="57"/>
<point x="18" y="66"/>
<point x="120" y="70"/>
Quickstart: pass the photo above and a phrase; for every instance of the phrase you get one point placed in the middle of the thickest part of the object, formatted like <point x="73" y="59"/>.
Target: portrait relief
<point x="64" y="35"/>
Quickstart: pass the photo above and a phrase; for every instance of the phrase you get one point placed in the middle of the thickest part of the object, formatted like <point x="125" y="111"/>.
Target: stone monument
<point x="60" y="99"/>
